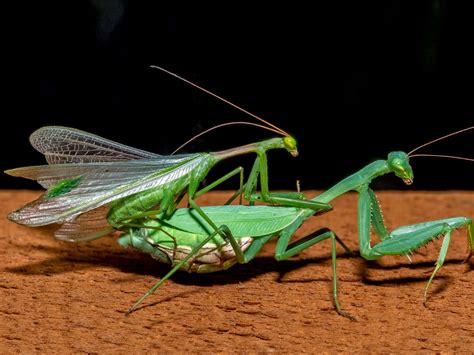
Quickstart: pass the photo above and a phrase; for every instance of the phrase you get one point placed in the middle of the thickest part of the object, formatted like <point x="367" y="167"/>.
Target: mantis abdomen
<point x="215" y="255"/>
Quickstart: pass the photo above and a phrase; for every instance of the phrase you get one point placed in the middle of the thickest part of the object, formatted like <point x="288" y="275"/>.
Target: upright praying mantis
<point x="95" y="185"/>
<point x="188" y="242"/>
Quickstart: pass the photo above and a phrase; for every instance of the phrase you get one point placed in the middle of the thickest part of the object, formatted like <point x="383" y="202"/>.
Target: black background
<point x="351" y="82"/>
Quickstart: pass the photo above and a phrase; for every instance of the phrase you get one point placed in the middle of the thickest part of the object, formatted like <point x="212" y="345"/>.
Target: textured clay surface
<point x="58" y="297"/>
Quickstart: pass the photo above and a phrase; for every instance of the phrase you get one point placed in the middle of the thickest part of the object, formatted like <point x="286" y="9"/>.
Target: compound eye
<point x="290" y="142"/>
<point x="397" y="163"/>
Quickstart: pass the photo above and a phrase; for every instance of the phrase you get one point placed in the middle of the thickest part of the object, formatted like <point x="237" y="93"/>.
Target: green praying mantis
<point x="188" y="242"/>
<point x="95" y="185"/>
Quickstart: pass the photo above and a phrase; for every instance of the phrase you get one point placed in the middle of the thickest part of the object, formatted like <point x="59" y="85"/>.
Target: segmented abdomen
<point x="210" y="258"/>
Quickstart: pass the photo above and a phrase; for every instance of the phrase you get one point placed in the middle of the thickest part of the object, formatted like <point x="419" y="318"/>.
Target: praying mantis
<point x="95" y="185"/>
<point x="188" y="242"/>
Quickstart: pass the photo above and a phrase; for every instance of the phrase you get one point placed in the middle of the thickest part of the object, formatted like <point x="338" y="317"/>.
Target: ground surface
<point x="59" y="296"/>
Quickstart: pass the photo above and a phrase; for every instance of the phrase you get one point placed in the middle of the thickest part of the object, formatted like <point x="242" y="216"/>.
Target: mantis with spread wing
<point x="95" y="185"/>
<point x="187" y="242"/>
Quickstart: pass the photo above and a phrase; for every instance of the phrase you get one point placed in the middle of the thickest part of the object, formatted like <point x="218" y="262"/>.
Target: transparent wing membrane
<point x="86" y="172"/>
<point x="107" y="174"/>
<point x="68" y="145"/>
<point x="87" y="226"/>
<point x="98" y="189"/>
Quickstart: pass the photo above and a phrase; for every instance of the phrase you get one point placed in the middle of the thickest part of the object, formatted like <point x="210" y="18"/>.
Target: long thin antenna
<point x="440" y="138"/>
<point x="280" y="131"/>
<point x="223" y="125"/>
<point x="441" y="156"/>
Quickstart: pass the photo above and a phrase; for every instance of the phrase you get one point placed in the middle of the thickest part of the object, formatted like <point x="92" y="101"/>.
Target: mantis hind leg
<point x="172" y="271"/>
<point x="284" y="251"/>
<point x="242" y="257"/>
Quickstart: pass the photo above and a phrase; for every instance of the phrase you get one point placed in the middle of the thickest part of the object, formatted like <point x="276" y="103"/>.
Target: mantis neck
<point x="362" y="177"/>
<point x="273" y="143"/>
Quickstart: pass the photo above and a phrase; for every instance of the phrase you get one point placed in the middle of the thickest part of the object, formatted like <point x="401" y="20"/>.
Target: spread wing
<point x="101" y="176"/>
<point x="69" y="145"/>
<point x="87" y="171"/>
<point x="87" y="226"/>
<point x="92" y="190"/>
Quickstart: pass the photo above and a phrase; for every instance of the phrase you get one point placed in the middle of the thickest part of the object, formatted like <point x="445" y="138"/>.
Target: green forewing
<point x="243" y="221"/>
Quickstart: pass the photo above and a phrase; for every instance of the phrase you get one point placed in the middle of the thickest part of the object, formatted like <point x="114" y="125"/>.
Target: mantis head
<point x="290" y="145"/>
<point x="398" y="163"/>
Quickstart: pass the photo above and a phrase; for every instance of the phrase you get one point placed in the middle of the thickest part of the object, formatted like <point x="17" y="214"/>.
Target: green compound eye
<point x="290" y="145"/>
<point x="290" y="142"/>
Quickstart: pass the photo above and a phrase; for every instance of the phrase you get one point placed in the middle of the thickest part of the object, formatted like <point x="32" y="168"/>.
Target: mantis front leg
<point x="290" y="199"/>
<point x="406" y="239"/>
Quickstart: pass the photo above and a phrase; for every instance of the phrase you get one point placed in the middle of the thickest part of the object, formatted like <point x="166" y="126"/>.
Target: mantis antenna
<point x="223" y="125"/>
<point x="439" y="139"/>
<point x="441" y="156"/>
<point x="222" y="99"/>
<point x="411" y="155"/>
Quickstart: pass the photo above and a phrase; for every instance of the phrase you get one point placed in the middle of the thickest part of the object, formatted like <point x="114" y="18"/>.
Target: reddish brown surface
<point x="59" y="296"/>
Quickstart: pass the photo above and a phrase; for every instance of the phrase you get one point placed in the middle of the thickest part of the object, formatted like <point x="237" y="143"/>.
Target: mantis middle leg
<point x="284" y="250"/>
